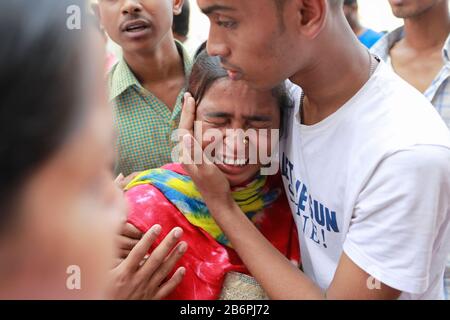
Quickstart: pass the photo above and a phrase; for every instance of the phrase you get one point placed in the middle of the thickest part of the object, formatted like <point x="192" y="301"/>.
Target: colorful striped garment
<point x="168" y="197"/>
<point x="180" y="190"/>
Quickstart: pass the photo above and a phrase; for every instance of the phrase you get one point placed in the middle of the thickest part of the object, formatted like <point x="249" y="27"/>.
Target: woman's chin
<point x="238" y="175"/>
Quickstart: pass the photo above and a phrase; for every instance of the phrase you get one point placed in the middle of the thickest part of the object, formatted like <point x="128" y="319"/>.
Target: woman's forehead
<point x="237" y="96"/>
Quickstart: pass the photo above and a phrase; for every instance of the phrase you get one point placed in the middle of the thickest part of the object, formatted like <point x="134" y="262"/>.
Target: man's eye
<point x="226" y="23"/>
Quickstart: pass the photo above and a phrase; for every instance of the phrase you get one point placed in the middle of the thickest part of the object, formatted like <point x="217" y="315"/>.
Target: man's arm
<point x="289" y="283"/>
<point x="277" y="275"/>
<point x="393" y="200"/>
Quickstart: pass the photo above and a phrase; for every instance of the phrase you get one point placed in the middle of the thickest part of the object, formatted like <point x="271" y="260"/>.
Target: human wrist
<point x="218" y="203"/>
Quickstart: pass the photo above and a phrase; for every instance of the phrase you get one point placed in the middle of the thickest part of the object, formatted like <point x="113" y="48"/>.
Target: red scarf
<point x="206" y="261"/>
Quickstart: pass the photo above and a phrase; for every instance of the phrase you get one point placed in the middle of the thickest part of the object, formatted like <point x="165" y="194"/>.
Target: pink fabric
<point x="207" y="261"/>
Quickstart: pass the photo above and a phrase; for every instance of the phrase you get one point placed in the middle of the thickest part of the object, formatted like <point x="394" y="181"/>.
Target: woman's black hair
<point x="207" y="70"/>
<point x="42" y="85"/>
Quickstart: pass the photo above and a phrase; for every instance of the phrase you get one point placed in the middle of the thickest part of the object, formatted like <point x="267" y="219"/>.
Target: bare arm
<point x="350" y="281"/>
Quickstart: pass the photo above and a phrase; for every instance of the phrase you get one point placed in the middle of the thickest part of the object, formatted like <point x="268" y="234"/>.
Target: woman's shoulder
<point x="148" y="206"/>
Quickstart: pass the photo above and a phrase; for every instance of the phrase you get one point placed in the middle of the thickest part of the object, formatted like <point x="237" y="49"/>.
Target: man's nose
<point x="216" y="46"/>
<point x="131" y="6"/>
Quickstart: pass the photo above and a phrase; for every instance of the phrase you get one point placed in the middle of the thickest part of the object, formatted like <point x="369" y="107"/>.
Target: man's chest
<point x="167" y="92"/>
<point x="315" y="186"/>
<point x="417" y="68"/>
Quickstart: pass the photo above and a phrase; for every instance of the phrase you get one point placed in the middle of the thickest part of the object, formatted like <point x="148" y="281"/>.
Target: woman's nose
<point x="237" y="142"/>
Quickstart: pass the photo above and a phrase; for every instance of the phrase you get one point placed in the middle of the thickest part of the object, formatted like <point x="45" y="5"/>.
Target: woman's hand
<point x="141" y="276"/>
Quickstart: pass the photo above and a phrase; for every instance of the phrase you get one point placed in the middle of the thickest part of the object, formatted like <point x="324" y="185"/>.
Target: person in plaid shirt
<point x="147" y="84"/>
<point x="419" y="53"/>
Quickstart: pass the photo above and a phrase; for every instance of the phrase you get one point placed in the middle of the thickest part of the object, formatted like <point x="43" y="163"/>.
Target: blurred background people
<point x="418" y="51"/>
<point x="181" y="22"/>
<point x="147" y="84"/>
<point x="367" y="36"/>
<point x="59" y="206"/>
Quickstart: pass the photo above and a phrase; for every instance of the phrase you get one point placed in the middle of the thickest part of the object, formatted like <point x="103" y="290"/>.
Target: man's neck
<point x="429" y="29"/>
<point x="162" y="63"/>
<point x="335" y="77"/>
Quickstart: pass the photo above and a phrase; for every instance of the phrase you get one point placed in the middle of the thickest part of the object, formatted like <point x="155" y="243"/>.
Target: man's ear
<point x="178" y="6"/>
<point x="311" y="16"/>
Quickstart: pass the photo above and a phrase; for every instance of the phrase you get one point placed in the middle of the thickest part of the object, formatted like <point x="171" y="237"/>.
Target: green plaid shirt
<point x="143" y="122"/>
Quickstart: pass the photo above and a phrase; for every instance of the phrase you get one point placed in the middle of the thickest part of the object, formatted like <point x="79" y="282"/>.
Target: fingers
<point x="170" y="285"/>
<point x="140" y="250"/>
<point x="187" y="161"/>
<point x="127" y="239"/>
<point x="159" y="255"/>
<point x="119" y="181"/>
<point x="126" y="181"/>
<point x="168" y="265"/>
<point x="131" y="231"/>
<point x="194" y="161"/>
<point x="116" y="262"/>
<point x="122" y="181"/>
<point x="119" y="178"/>
<point x="126" y="244"/>
<point x="188" y="113"/>
<point x="123" y="254"/>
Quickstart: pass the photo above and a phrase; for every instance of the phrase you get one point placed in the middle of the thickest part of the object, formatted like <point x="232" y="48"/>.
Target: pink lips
<point x="234" y="75"/>
<point x="231" y="169"/>
<point x="136" y="28"/>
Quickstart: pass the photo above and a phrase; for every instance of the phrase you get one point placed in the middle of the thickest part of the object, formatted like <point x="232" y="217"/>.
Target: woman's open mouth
<point x="231" y="165"/>
<point x="231" y="161"/>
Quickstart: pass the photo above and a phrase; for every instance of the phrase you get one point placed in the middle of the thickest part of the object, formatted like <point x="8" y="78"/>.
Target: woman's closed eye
<point x="217" y="122"/>
<point x="259" y="124"/>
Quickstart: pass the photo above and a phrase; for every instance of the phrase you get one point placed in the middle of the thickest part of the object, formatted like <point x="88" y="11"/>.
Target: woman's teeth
<point x="232" y="162"/>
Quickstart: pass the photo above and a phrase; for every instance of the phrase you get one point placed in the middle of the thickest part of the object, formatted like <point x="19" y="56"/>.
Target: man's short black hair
<point x="181" y="21"/>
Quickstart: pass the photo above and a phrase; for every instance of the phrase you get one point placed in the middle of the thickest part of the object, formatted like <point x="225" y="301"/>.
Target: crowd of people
<point x="154" y="181"/>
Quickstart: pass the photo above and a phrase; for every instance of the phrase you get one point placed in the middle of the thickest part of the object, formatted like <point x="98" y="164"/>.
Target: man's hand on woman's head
<point x="188" y="114"/>
<point x="210" y="181"/>
<point x="141" y="276"/>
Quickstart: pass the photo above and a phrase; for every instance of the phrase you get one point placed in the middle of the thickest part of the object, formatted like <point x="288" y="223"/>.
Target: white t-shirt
<point x="372" y="180"/>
